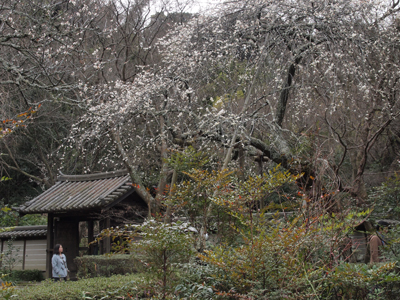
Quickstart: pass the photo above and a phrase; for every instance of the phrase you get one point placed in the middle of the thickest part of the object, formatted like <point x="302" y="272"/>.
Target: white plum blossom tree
<point x="307" y="84"/>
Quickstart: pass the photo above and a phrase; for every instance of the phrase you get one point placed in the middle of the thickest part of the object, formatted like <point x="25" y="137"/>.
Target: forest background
<point x="301" y="95"/>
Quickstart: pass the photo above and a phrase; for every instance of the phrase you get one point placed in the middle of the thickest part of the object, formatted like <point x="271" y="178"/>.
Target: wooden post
<point x="90" y="236"/>
<point x="50" y="244"/>
<point x="24" y="255"/>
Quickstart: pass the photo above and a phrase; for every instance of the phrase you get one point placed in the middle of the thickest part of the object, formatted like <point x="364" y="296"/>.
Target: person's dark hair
<point x="56" y="249"/>
<point x="381" y="224"/>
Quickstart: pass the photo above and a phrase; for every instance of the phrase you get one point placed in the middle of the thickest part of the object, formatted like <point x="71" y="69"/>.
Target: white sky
<point x="196" y="6"/>
<point x="203" y="5"/>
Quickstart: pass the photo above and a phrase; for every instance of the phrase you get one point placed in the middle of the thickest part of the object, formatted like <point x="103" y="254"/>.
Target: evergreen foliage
<point x="104" y="266"/>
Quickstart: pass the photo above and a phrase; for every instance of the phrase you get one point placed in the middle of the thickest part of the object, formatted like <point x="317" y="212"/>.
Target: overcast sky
<point x="201" y="5"/>
<point x="195" y="7"/>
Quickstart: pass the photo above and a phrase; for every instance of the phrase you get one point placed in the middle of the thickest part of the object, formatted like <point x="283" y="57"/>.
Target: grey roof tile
<point x="76" y="192"/>
<point x="24" y="231"/>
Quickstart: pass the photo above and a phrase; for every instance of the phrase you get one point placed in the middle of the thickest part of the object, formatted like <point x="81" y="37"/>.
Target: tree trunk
<point x="167" y="217"/>
<point x="136" y="181"/>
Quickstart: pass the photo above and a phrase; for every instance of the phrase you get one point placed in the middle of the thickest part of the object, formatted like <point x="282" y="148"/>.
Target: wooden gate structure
<point x="107" y="199"/>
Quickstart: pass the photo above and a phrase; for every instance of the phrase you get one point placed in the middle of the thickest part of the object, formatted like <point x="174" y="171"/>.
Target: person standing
<point x="377" y="241"/>
<point x="59" y="264"/>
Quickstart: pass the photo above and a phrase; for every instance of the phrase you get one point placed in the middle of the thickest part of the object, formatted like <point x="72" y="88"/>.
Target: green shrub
<point x="196" y="281"/>
<point x="301" y="259"/>
<point x="114" y="287"/>
<point x="162" y="249"/>
<point x="157" y="249"/>
<point x="101" y="265"/>
<point x="6" y="288"/>
<point x="25" y="275"/>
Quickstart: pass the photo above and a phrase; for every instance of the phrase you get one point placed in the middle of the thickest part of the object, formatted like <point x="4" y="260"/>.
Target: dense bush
<point x="301" y="259"/>
<point x="114" y="287"/>
<point x="158" y="250"/>
<point x="6" y="288"/>
<point x="104" y="265"/>
<point x="362" y="281"/>
<point x="196" y="281"/>
<point x="386" y="198"/>
<point x="302" y="256"/>
<point x="25" y="275"/>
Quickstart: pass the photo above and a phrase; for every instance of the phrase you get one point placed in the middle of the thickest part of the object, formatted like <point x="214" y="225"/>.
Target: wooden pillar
<point x="107" y="241"/>
<point x="24" y="255"/>
<point x="50" y="244"/>
<point x="90" y="236"/>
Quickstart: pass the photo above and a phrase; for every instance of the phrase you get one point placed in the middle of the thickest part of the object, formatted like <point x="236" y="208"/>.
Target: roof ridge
<point x="90" y="177"/>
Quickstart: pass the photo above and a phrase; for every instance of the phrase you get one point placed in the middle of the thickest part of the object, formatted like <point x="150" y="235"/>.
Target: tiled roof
<point x="77" y="192"/>
<point x="24" y="231"/>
